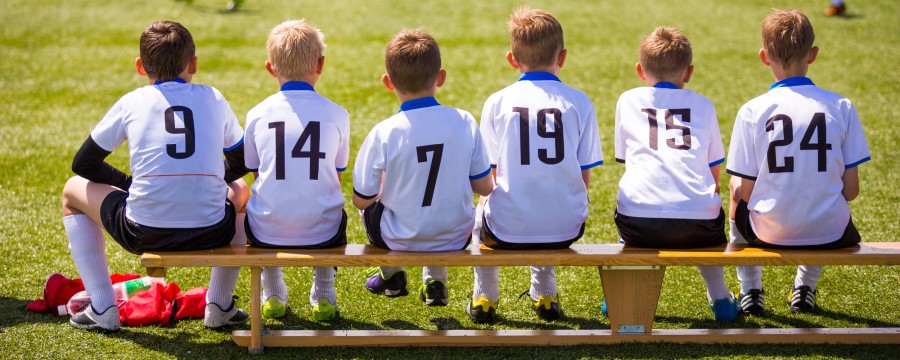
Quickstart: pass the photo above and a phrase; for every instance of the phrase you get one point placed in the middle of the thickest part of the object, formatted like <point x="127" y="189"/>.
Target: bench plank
<point x="887" y="253"/>
<point x="394" y="338"/>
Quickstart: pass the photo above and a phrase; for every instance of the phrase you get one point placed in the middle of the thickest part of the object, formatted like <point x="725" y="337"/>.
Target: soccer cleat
<point x="89" y="319"/>
<point x="391" y="287"/>
<point x="323" y="310"/>
<point x="433" y="293"/>
<point x="838" y="10"/>
<point x="802" y="299"/>
<point x="216" y="317"/>
<point x="753" y="302"/>
<point x="481" y="311"/>
<point x="603" y="309"/>
<point x="273" y="307"/>
<point x="547" y="308"/>
<point x="725" y="310"/>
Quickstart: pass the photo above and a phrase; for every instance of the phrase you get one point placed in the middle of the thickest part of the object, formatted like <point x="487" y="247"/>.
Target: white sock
<point x="388" y="271"/>
<point x="240" y="234"/>
<point x="323" y="285"/>
<point x="273" y="283"/>
<point x="434" y="273"/>
<point x="222" y="281"/>
<point x="750" y="277"/>
<point x="807" y="275"/>
<point x="733" y="234"/>
<point x="714" y="276"/>
<point x="487" y="280"/>
<point x="88" y="248"/>
<point x="543" y="281"/>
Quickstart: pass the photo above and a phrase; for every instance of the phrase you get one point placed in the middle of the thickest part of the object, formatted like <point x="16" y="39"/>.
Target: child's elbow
<point x="850" y="194"/>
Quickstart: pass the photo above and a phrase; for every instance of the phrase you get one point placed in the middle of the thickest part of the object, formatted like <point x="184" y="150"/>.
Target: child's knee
<point x="74" y="187"/>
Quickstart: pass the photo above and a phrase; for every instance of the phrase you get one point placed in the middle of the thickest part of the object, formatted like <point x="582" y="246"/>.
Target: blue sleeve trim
<point x="717" y="162"/>
<point x="232" y="147"/>
<point x="364" y="197"/>
<point x="588" y="166"/>
<point x="481" y="175"/>
<point x="342" y="169"/>
<point x="867" y="158"/>
<point x="734" y="173"/>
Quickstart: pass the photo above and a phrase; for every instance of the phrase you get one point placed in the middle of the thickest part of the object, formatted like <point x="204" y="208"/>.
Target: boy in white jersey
<point x="542" y="139"/>
<point x="180" y="196"/>
<point x="668" y="137"/>
<point x="416" y="171"/>
<point x="297" y="143"/>
<point x="793" y="156"/>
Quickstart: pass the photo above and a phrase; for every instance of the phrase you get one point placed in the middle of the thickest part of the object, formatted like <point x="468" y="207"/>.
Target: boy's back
<point x="668" y="138"/>
<point x="796" y="141"/>
<point x="427" y="154"/>
<point x="293" y="139"/>
<point x="176" y="132"/>
<point x="540" y="134"/>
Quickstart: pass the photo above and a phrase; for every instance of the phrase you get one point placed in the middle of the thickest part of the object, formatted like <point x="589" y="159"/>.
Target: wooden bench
<point x="631" y="280"/>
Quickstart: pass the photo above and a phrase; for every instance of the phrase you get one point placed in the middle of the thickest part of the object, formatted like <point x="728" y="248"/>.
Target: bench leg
<point x="256" y="346"/>
<point x="632" y="293"/>
<point x="159" y="272"/>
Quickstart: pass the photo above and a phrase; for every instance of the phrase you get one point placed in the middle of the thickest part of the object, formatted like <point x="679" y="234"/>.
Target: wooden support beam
<point x="632" y="293"/>
<point x="255" y="346"/>
<point x="397" y="338"/>
<point x="159" y="272"/>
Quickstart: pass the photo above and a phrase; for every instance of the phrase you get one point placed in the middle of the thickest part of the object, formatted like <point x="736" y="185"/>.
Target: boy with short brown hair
<point x="436" y="159"/>
<point x="793" y="159"/>
<point x="176" y="198"/>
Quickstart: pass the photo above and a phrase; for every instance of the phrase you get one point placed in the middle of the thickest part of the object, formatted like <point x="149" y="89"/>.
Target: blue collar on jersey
<point x="178" y="80"/>
<point x="538" y="76"/>
<point x="665" y="85"/>
<point x="297" y="85"/>
<point x="419" y="103"/>
<point x="792" y="81"/>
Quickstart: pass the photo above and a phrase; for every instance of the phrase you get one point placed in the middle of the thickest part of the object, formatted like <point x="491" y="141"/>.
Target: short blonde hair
<point x="412" y="60"/>
<point x="535" y="37"/>
<point x="294" y="49"/>
<point x="787" y="36"/>
<point x="665" y="52"/>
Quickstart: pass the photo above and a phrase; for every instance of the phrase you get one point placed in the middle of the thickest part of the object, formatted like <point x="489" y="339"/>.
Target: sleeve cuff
<point x="855" y="164"/>
<point x="743" y="176"/>
<point x="588" y="166"/>
<point x="364" y="197"/>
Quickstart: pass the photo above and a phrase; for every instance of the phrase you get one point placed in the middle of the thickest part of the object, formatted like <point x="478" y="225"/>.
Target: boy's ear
<point x="271" y="69"/>
<point x="813" y="52"/>
<point x="442" y="76"/>
<point x="192" y="65"/>
<point x="640" y="71"/>
<point x="561" y="58"/>
<point x="512" y="60"/>
<point x="139" y="65"/>
<point x="386" y="80"/>
<point x="320" y="65"/>
<point x="764" y="57"/>
<point x="688" y="73"/>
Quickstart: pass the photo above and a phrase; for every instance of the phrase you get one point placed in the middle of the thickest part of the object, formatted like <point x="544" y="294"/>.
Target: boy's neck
<point x="547" y="69"/>
<point x="309" y="79"/>
<point x="652" y="82"/>
<point x="781" y="73"/>
<point x="404" y="97"/>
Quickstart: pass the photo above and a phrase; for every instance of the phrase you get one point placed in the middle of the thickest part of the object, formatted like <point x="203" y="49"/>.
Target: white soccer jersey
<point x="299" y="141"/>
<point x="428" y="154"/>
<point x="176" y="132"/>
<point x="668" y="139"/>
<point x="540" y="134"/>
<point x="796" y="141"/>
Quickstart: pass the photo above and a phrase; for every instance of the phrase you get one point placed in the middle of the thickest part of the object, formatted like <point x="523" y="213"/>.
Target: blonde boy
<point x="436" y="159"/>
<point x="179" y="196"/>
<point x="793" y="156"/>
<point x="298" y="144"/>
<point x="542" y="139"/>
<point x="668" y="137"/>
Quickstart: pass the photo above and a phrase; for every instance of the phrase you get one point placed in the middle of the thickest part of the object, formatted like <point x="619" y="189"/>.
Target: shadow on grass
<point x="19" y="315"/>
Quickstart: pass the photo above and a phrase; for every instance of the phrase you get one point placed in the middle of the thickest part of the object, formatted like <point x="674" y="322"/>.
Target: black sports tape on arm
<point x="88" y="163"/>
<point x="234" y="164"/>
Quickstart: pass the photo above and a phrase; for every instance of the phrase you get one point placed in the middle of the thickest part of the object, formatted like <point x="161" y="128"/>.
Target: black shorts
<point x="489" y="239"/>
<point x="671" y="233"/>
<point x="372" y="222"/>
<point x="850" y="236"/>
<point x="137" y="238"/>
<point x="339" y="239"/>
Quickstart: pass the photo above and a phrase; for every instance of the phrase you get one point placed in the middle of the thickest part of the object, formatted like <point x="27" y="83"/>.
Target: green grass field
<point x="64" y="63"/>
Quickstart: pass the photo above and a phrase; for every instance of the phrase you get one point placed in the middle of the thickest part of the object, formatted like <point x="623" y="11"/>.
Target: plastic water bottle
<point x="123" y="290"/>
